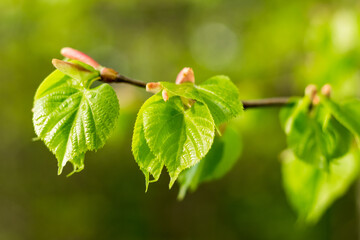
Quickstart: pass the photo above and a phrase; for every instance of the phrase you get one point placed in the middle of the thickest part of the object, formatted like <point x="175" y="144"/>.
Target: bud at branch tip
<point x="185" y="75"/>
<point x="80" y="56"/>
<point x="311" y="91"/>
<point x="108" y="74"/>
<point x="326" y="90"/>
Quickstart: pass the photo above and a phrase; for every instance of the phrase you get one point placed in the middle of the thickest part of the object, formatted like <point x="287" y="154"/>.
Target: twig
<point x="258" y="103"/>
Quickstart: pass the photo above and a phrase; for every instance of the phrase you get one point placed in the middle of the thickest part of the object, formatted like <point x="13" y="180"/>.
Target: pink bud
<point x="108" y="74"/>
<point x="185" y="75"/>
<point x="326" y="90"/>
<point x="311" y="91"/>
<point x="153" y="87"/>
<point x="80" y="56"/>
<point x="316" y="100"/>
<point x="165" y="95"/>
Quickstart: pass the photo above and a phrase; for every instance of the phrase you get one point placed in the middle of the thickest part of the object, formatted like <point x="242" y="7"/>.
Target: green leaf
<point x="77" y="71"/>
<point x="178" y="136"/>
<point x="72" y="118"/>
<point x="218" y="93"/>
<point x="147" y="161"/>
<point x="222" y="156"/>
<point x="222" y="98"/>
<point x="314" y="135"/>
<point x="348" y="113"/>
<point x="310" y="190"/>
<point x="338" y="138"/>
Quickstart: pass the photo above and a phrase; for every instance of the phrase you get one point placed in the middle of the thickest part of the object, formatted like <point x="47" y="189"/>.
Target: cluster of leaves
<point x="179" y="133"/>
<point x="322" y="159"/>
<point x="72" y="118"/>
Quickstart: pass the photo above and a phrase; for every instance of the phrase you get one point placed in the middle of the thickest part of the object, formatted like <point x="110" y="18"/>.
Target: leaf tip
<point x="172" y="181"/>
<point x="182" y="193"/>
<point x="60" y="170"/>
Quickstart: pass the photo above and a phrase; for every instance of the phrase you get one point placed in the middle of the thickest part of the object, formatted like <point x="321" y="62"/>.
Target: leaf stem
<point x="257" y="103"/>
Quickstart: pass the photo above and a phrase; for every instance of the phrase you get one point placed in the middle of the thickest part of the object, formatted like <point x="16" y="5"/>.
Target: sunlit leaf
<point x="147" y="161"/>
<point x="72" y="118"/>
<point x="178" y="136"/>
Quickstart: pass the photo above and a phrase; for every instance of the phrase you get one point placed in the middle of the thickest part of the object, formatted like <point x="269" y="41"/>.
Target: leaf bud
<point x="311" y="91"/>
<point x="185" y="75"/>
<point x="108" y="74"/>
<point x="153" y="87"/>
<point x="316" y="100"/>
<point x="80" y="56"/>
<point x="165" y="95"/>
<point x="326" y="90"/>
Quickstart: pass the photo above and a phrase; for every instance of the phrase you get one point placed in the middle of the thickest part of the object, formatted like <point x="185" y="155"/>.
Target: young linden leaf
<point x="72" y="118"/>
<point x="222" y="98"/>
<point x="338" y="138"/>
<point x="218" y="93"/>
<point x="177" y="135"/>
<point x="310" y="190"/>
<point x="147" y="161"/>
<point x="348" y="113"/>
<point x="77" y="71"/>
<point x="220" y="159"/>
<point x="315" y="136"/>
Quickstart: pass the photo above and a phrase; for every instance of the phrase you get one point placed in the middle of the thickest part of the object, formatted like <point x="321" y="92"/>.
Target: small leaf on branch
<point x="313" y="133"/>
<point x="347" y="113"/>
<point x="220" y="159"/>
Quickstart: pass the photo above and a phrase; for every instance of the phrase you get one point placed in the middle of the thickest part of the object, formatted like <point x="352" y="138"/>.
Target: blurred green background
<point x="267" y="47"/>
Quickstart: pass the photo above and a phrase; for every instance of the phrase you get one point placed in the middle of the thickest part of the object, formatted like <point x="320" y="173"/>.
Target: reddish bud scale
<point x="185" y="75"/>
<point x="108" y="74"/>
<point x="311" y="91"/>
<point x="153" y="87"/>
<point x="165" y="95"/>
<point x="80" y="56"/>
<point x="326" y="90"/>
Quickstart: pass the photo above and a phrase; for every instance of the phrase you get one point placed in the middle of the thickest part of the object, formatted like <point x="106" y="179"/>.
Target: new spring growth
<point x="80" y="56"/>
<point x="185" y="75"/>
<point x="326" y="90"/>
<point x="107" y="74"/>
<point x="311" y="92"/>
<point x="153" y="87"/>
<point x="73" y="70"/>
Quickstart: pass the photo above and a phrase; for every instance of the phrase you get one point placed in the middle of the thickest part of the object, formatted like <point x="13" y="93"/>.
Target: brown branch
<point x="266" y="102"/>
<point x="123" y="79"/>
<point x="258" y="103"/>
